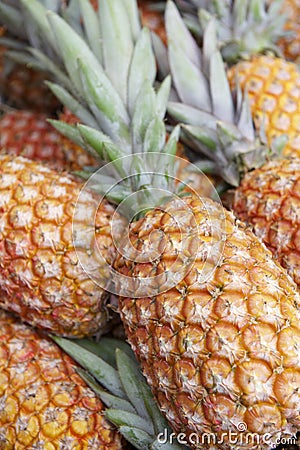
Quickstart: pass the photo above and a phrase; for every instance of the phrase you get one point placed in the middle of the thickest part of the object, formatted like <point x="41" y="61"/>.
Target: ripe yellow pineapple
<point x="41" y="277"/>
<point x="269" y="199"/>
<point x="29" y="134"/>
<point x="223" y="352"/>
<point x="44" y="404"/>
<point x="212" y="318"/>
<point x="245" y="30"/>
<point x="222" y="129"/>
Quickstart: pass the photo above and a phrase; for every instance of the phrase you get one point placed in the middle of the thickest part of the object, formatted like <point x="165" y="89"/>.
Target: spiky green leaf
<point x="204" y="135"/>
<point x="92" y="28"/>
<point x="39" y="21"/>
<point x="72" y="104"/>
<point x="162" y="96"/>
<point x="70" y="131"/>
<point x="105" y="103"/>
<point x="11" y="17"/>
<point x="142" y="68"/>
<point x="117" y="43"/>
<point x="155" y="136"/>
<point x="144" y="112"/>
<point x="171" y="146"/>
<point x="178" y="34"/>
<point x="124" y="418"/>
<point x="220" y="91"/>
<point x="138" y="438"/>
<point x="103" y="372"/>
<point x="131" y="379"/>
<point x="111" y="401"/>
<point x="100" y="142"/>
<point x="106" y="348"/>
<point x="192" y="116"/>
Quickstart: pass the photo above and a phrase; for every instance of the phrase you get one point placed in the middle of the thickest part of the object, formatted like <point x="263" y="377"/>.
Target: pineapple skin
<point x="269" y="199"/>
<point x="273" y="85"/>
<point x="41" y="277"/>
<point x="28" y="134"/>
<point x="222" y="352"/>
<point x="44" y="404"/>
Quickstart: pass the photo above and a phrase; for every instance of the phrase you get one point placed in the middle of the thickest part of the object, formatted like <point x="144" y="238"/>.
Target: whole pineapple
<point x="44" y="404"/>
<point x="28" y="134"/>
<point x="41" y="277"/>
<point x="212" y="318"/>
<point x="221" y="128"/>
<point x="246" y="30"/>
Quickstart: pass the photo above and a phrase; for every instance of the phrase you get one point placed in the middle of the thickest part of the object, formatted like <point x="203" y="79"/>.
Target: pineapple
<point x="247" y="29"/>
<point x="274" y="89"/>
<point x="41" y="277"/>
<point x="28" y="134"/>
<point x="223" y="130"/>
<point x="44" y="403"/>
<point x="211" y="316"/>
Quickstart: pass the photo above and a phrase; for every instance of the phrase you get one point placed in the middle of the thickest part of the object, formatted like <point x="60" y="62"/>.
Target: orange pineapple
<point x="44" y="404"/>
<point x="41" y="278"/>
<point x="212" y="318"/>
<point x="29" y="134"/>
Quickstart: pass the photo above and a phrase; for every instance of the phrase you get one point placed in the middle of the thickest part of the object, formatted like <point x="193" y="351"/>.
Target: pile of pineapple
<point x="125" y="129"/>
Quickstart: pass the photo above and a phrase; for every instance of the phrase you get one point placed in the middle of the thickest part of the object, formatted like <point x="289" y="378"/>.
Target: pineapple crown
<point x="105" y="75"/>
<point x="245" y="27"/>
<point x="215" y="122"/>
<point x="111" y="370"/>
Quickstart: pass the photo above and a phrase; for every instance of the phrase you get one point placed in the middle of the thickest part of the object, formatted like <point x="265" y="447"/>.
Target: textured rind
<point x="274" y="90"/>
<point x="41" y="277"/>
<point x="44" y="404"/>
<point x="224" y="352"/>
<point x="269" y="199"/>
<point x="29" y="134"/>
